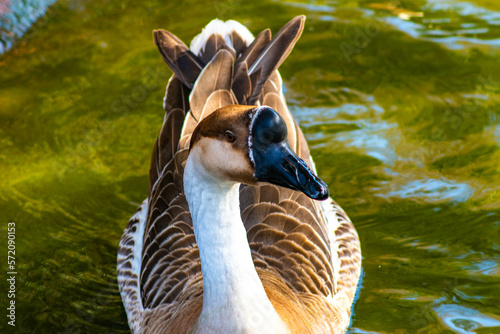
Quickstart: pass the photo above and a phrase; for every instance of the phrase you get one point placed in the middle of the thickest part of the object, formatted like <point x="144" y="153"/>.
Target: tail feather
<point x="178" y="57"/>
<point x="254" y="78"/>
<point x="255" y="49"/>
<point x="242" y="86"/>
<point x="235" y="35"/>
<point x="217" y="74"/>
<point x="218" y="99"/>
<point x="239" y="44"/>
<point x="262" y="56"/>
<point x="276" y="52"/>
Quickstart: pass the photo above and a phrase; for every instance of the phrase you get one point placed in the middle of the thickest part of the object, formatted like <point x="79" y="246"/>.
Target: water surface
<point x="400" y="102"/>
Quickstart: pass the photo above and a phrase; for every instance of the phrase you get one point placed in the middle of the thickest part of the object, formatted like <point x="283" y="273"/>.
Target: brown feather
<point x="218" y="99"/>
<point x="169" y="136"/>
<point x="254" y="78"/>
<point x="239" y="44"/>
<point x="242" y="87"/>
<point x="166" y="144"/>
<point x="302" y="149"/>
<point x="276" y="52"/>
<point x="213" y="44"/>
<point x="190" y="124"/>
<point x="218" y="74"/>
<point x="255" y="213"/>
<point x="177" y="95"/>
<point x="255" y="49"/>
<point x="178" y="57"/>
<point x="273" y="84"/>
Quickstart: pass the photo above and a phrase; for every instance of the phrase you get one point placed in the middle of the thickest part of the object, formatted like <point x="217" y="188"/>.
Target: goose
<point x="237" y="234"/>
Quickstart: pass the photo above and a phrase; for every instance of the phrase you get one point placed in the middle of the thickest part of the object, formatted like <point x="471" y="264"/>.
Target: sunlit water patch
<point x="355" y="123"/>
<point x="17" y="16"/>
<point x="456" y="24"/>
<point x="497" y="134"/>
<point x="359" y="125"/>
<point x="431" y="190"/>
<point x="464" y="320"/>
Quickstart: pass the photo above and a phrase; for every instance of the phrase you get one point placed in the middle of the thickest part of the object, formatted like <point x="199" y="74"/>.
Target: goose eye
<point x="230" y="137"/>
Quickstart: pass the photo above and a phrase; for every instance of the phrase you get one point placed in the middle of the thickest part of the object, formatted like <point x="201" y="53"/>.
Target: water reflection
<point x="441" y="190"/>
<point x="16" y="17"/>
<point x="405" y="130"/>
<point x="464" y="320"/>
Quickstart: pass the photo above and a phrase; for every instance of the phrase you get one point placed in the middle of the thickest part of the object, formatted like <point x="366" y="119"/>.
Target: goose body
<point x="232" y="237"/>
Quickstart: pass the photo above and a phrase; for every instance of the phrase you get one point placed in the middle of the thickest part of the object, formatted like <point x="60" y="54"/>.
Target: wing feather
<point x="218" y="74"/>
<point x="218" y="99"/>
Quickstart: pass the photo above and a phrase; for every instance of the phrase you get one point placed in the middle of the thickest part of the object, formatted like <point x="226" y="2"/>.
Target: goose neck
<point x="234" y="299"/>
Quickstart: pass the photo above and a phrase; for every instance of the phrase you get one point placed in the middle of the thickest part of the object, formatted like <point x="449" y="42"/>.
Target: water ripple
<point x="464" y="320"/>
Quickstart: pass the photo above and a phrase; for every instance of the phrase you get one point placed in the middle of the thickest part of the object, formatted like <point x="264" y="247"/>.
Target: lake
<point x="399" y="101"/>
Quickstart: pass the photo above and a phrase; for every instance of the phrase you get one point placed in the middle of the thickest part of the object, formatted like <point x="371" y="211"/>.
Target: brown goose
<point x="231" y="238"/>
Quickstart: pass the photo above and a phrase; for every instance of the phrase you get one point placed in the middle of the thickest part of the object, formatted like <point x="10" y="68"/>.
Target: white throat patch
<point x="253" y="116"/>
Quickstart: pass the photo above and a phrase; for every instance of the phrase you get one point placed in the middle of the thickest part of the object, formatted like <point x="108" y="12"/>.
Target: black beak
<point x="275" y="162"/>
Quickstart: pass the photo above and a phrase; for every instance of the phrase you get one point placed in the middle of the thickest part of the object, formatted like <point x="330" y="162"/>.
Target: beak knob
<point x="275" y="161"/>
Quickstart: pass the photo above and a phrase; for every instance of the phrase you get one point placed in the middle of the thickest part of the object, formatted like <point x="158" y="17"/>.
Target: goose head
<point x="248" y="144"/>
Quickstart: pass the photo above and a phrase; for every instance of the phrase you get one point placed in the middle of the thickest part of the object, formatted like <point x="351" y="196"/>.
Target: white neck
<point x="234" y="300"/>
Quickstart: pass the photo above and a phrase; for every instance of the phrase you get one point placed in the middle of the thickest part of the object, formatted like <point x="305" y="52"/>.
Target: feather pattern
<point x="306" y="253"/>
<point x="178" y="57"/>
<point x="218" y="74"/>
<point x="242" y="87"/>
<point x="250" y="54"/>
<point x="276" y="52"/>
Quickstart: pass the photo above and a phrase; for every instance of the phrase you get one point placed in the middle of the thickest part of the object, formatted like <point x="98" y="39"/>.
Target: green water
<point x="400" y="102"/>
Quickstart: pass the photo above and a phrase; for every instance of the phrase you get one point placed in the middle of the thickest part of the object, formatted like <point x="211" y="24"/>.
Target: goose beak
<point x="276" y="163"/>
